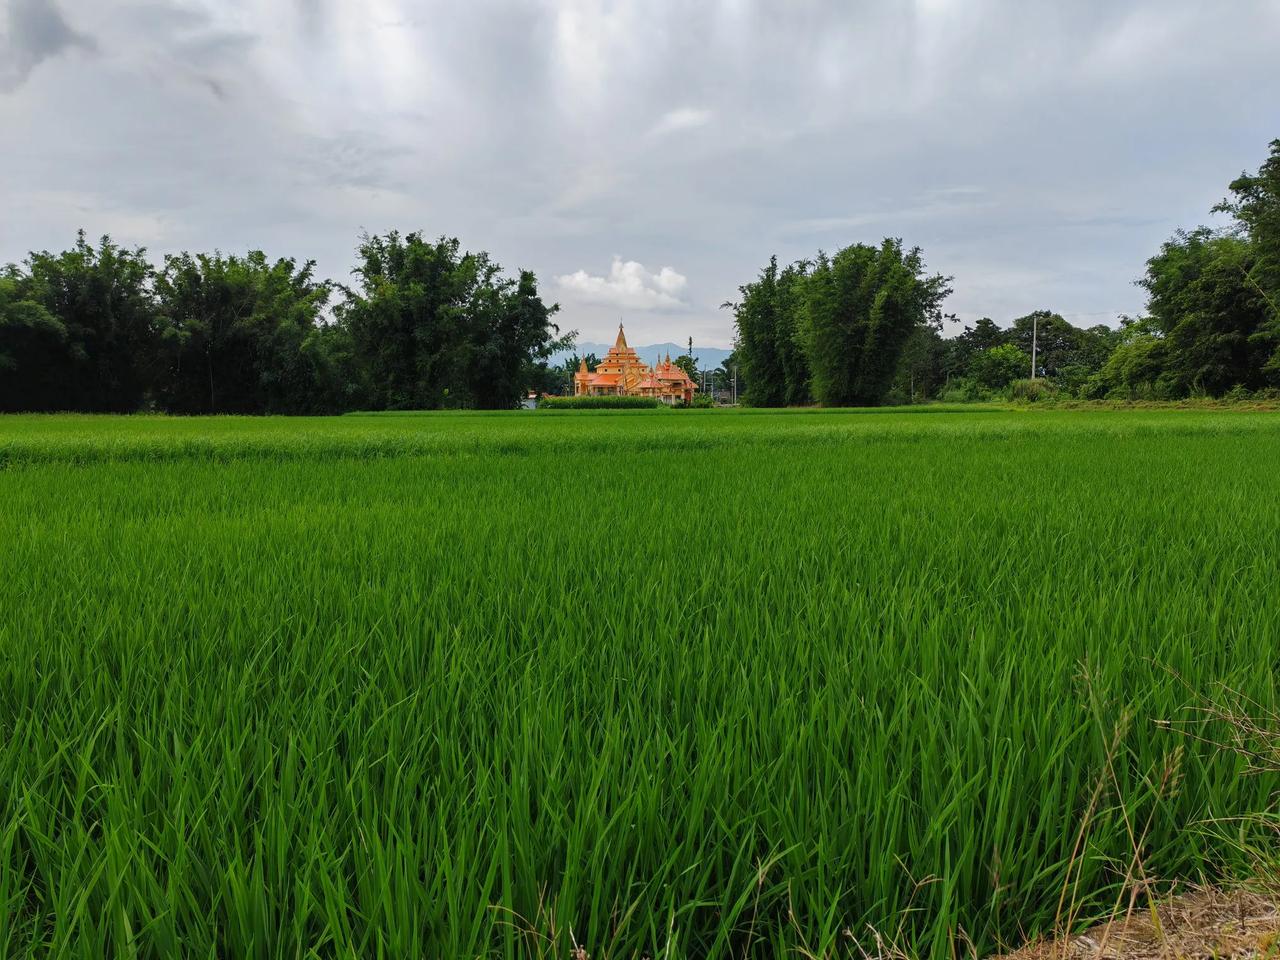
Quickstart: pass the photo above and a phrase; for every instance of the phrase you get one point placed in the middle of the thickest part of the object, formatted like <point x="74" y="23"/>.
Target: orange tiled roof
<point x="622" y="366"/>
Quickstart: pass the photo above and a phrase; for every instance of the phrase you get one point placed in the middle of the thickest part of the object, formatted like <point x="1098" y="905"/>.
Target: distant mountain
<point x="708" y="357"/>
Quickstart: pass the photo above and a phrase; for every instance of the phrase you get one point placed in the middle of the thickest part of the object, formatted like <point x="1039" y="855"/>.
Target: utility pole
<point x="1035" y="329"/>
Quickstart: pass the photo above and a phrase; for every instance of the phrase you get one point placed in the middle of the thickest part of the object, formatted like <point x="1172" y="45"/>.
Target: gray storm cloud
<point x="35" y="31"/>
<point x="1037" y="152"/>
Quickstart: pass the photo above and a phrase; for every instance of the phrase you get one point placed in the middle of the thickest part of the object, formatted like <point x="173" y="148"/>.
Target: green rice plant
<point x="731" y="683"/>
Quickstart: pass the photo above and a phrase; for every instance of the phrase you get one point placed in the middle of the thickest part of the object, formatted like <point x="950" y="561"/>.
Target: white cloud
<point x="629" y="285"/>
<point x="685" y="118"/>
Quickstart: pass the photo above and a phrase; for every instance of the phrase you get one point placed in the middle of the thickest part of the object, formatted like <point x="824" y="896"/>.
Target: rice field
<point x="621" y="684"/>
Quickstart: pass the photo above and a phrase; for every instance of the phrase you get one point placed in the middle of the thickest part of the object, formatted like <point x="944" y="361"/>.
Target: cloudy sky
<point x="644" y="156"/>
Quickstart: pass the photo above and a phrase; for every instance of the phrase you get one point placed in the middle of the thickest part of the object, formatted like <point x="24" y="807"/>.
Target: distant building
<point x="623" y="374"/>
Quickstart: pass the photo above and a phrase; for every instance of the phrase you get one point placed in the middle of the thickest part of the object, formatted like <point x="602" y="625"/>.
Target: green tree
<point x="1213" y="302"/>
<point x="565" y="372"/>
<point x="921" y="371"/>
<point x="1094" y="346"/>
<point x="861" y="306"/>
<point x="998" y="366"/>
<point x="436" y="327"/>
<point x="406" y="319"/>
<point x="1055" y="341"/>
<point x="1215" y="321"/>
<point x="689" y="364"/>
<point x="722" y="376"/>
<point x="983" y="335"/>
<point x="1255" y="205"/>
<point x="241" y="335"/>
<point x="1135" y="370"/>
<point x="1066" y="354"/>
<point x="756" y="319"/>
<point x="574" y="361"/>
<point x="513" y="341"/>
<point x="960" y="350"/>
<point x="103" y="299"/>
<point x="796" y="376"/>
<point x="770" y="353"/>
<point x="33" y="349"/>
<point x="342" y="380"/>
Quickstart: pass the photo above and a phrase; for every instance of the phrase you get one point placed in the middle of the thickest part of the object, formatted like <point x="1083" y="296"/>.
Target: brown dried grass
<point x="1205" y="923"/>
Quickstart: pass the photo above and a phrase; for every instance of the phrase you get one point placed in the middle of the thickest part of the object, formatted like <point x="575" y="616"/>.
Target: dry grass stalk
<point x="1236" y="924"/>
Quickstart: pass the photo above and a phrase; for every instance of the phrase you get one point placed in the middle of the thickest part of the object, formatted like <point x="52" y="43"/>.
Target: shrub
<point x="1146" y="391"/>
<point x="598" y="403"/>
<point x="1134" y="371"/>
<point x="965" y="390"/>
<point x="702" y="401"/>
<point x="1033" y="391"/>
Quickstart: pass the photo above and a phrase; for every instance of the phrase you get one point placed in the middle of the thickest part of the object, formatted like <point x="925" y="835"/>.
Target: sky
<point x="644" y="157"/>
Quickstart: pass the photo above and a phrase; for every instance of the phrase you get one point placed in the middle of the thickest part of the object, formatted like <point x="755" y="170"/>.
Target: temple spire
<point x="621" y="342"/>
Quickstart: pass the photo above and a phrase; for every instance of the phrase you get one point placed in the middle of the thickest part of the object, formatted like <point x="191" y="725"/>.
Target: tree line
<point x="864" y="326"/>
<point x="425" y="325"/>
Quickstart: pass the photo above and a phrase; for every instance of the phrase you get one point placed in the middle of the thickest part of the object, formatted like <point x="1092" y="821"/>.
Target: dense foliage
<point x="242" y="335"/>
<point x="1213" y="313"/>
<point x="979" y="363"/>
<point x="435" y="327"/>
<point x="98" y="328"/>
<point x="999" y="366"/>
<point x="833" y="330"/>
<point x="1213" y="321"/>
<point x="79" y="330"/>
<point x="985" y="360"/>
<point x="463" y="685"/>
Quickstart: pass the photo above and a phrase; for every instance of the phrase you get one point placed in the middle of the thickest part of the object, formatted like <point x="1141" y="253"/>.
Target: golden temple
<point x="623" y="374"/>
